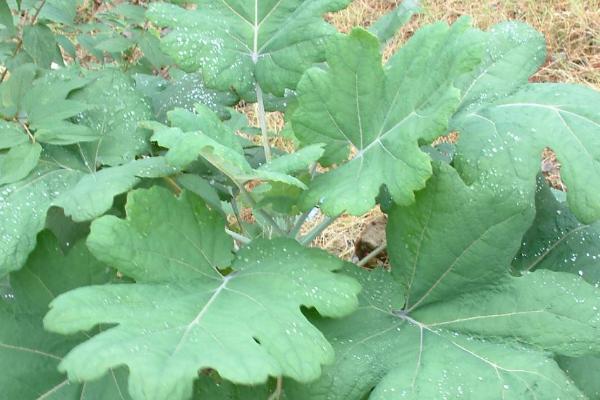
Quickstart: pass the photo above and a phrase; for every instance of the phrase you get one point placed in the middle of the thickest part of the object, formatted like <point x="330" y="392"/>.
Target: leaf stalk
<point x="240" y="238"/>
<point x="262" y="121"/>
<point x="266" y="216"/>
<point x="317" y="230"/>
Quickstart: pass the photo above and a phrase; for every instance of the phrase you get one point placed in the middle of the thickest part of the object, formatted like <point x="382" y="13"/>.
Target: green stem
<point x="266" y="216"/>
<point x="317" y="230"/>
<point x="240" y="238"/>
<point x="372" y="255"/>
<point x="293" y="233"/>
<point x="262" y="120"/>
<point x="173" y="185"/>
<point x="236" y="211"/>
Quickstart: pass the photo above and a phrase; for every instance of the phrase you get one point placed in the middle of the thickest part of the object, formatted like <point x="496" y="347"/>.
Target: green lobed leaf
<point x="23" y="207"/>
<point x="115" y="109"/>
<point x="450" y="321"/>
<point x="278" y="197"/>
<point x="382" y="112"/>
<point x="62" y="179"/>
<point x="64" y="133"/>
<point x="503" y="141"/>
<point x="435" y="263"/>
<point x="184" y="92"/>
<point x="93" y="195"/>
<point x="558" y="241"/>
<point x="29" y="356"/>
<point x="514" y="51"/>
<point x="237" y="43"/>
<point x="505" y="123"/>
<point x="183" y="314"/>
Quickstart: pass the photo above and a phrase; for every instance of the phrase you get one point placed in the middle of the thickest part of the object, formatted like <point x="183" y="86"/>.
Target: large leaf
<point x="505" y="123"/>
<point x="382" y="112"/>
<point x="33" y="181"/>
<point x="183" y="314"/>
<point x="183" y="92"/>
<point x="514" y="51"/>
<point x="236" y="43"/>
<point x="93" y="195"/>
<point x="23" y="207"/>
<point x="116" y="108"/>
<point x="558" y="241"/>
<point x="29" y="356"/>
<point x="503" y="141"/>
<point x="62" y="179"/>
<point x="492" y="336"/>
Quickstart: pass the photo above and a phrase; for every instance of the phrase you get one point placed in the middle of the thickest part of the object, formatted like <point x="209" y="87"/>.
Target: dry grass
<point x="341" y="236"/>
<point x="571" y="28"/>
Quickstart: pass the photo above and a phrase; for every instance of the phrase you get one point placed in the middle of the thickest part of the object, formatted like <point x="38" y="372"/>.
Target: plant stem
<point x="240" y="238"/>
<point x="266" y="216"/>
<point x="313" y="171"/>
<point x="29" y="134"/>
<point x="173" y="185"/>
<point x="236" y="211"/>
<point x="293" y="233"/>
<point x="317" y="230"/>
<point x="372" y="255"/>
<point x="37" y="12"/>
<point x="262" y="120"/>
<point x="276" y="395"/>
